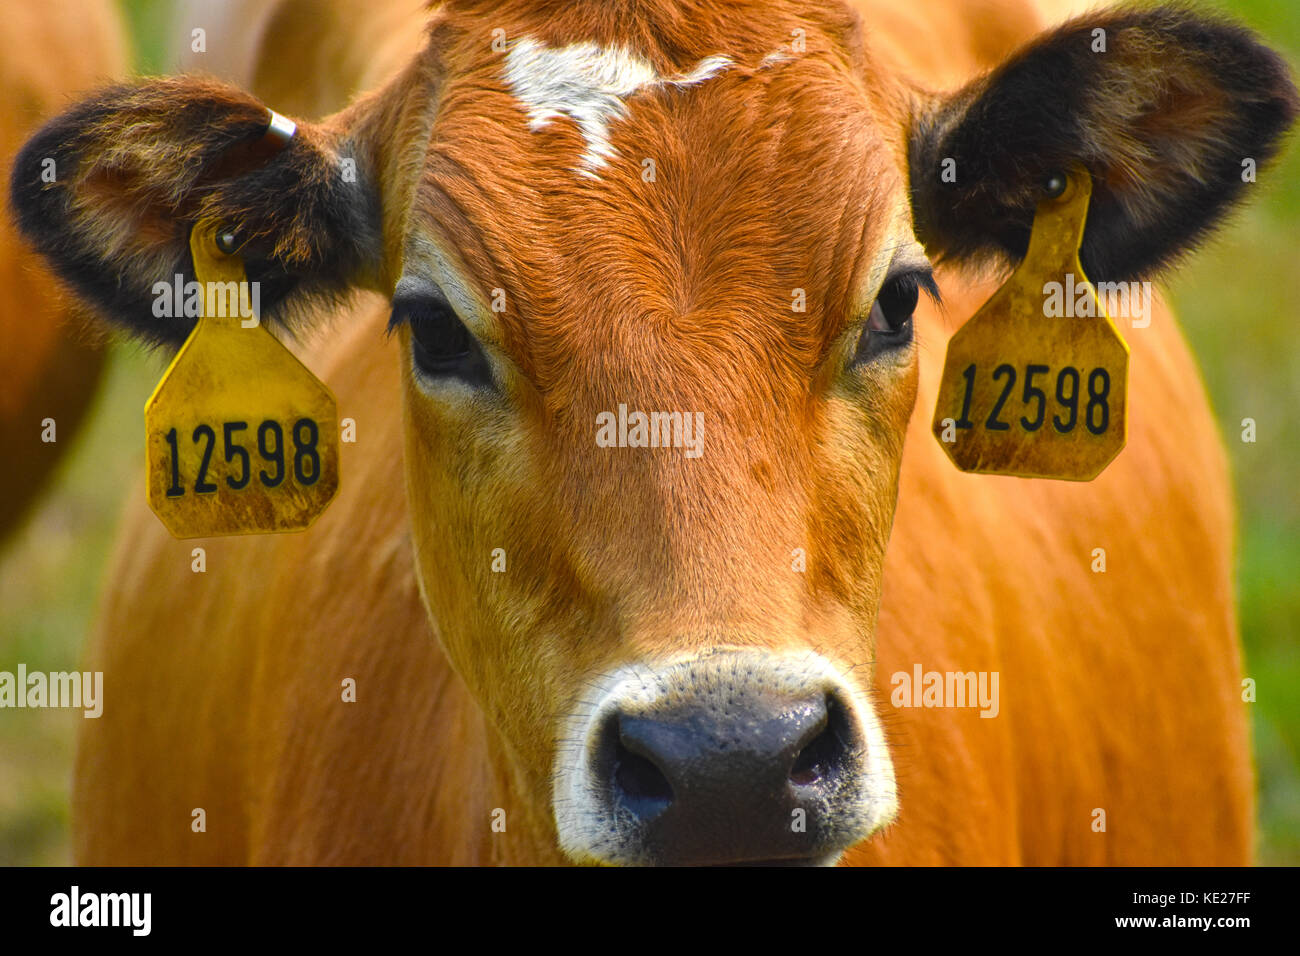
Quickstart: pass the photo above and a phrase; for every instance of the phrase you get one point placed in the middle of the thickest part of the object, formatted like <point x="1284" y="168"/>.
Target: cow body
<point x="49" y="362"/>
<point x="306" y="56"/>
<point x="1120" y="689"/>
<point x="983" y="573"/>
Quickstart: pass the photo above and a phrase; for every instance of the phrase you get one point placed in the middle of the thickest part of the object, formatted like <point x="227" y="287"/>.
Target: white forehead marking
<point x="588" y="83"/>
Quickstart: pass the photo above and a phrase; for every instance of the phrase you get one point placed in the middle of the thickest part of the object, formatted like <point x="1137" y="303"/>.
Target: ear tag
<point x="241" y="437"/>
<point x="1036" y="383"/>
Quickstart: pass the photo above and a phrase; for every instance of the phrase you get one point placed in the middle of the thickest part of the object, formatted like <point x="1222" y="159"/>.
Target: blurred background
<point x="1238" y="301"/>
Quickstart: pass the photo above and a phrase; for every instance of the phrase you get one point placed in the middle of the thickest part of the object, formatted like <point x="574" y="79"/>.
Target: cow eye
<point x="889" y="326"/>
<point x="441" y="346"/>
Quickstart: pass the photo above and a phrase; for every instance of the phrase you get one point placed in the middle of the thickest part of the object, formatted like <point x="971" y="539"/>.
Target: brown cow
<point x="308" y="57"/>
<point x="568" y="652"/>
<point x="49" y="365"/>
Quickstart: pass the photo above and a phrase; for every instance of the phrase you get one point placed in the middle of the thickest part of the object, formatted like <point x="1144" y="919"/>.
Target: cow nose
<point x="726" y="756"/>
<point x="741" y="784"/>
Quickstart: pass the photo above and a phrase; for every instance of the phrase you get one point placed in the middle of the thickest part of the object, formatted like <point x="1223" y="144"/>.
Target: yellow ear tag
<point x="1035" y="384"/>
<point x="241" y="437"/>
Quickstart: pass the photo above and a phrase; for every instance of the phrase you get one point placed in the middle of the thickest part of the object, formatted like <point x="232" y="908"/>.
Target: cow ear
<point x="1170" y="112"/>
<point x="109" y="191"/>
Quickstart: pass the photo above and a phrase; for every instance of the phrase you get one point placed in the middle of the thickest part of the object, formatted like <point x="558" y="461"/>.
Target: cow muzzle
<point x="735" y="756"/>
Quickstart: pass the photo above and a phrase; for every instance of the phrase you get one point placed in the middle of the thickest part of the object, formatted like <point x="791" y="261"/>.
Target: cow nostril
<point x="642" y="785"/>
<point x="822" y="756"/>
<point x="814" y="760"/>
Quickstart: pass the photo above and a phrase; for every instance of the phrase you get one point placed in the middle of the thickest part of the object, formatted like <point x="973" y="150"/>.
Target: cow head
<point x="668" y="211"/>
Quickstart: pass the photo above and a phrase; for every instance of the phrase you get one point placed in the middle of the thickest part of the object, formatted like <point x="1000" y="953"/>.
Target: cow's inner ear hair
<point x="256" y="151"/>
<point x="138" y="164"/>
<point x="1163" y="120"/>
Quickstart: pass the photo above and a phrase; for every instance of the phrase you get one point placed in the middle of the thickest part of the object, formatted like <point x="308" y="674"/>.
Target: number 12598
<point x="1079" y="399"/>
<point x="303" y="460"/>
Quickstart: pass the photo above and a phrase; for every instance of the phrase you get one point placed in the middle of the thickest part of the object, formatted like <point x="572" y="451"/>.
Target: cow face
<point x="656" y="310"/>
<point x="677" y="383"/>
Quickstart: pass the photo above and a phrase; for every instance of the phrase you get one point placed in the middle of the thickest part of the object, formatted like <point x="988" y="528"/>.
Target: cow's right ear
<point x="1169" y="111"/>
<point x="109" y="191"/>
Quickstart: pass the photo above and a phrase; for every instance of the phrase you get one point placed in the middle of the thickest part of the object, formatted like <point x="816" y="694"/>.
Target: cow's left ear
<point x="1170" y="113"/>
<point x="109" y="190"/>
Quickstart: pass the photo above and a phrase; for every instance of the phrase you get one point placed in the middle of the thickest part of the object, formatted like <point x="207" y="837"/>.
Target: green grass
<point x="152" y="32"/>
<point x="50" y="574"/>
<point x="50" y="571"/>
<point x="1238" y="301"/>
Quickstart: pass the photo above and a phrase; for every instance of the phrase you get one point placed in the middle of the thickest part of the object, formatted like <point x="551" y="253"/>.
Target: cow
<point x="50" y="363"/>
<point x="506" y="643"/>
<point x="308" y="57"/>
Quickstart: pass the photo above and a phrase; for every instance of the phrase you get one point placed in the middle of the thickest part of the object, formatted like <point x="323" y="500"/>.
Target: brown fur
<point x="306" y="57"/>
<point x="49" y="361"/>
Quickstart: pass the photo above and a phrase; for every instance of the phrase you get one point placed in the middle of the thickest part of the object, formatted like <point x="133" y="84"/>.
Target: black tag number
<point x="269" y="434"/>
<point x="1069" y="402"/>
<point x="235" y="450"/>
<point x="995" y="424"/>
<point x="306" y="460"/>
<point x="1098" y="392"/>
<point x="201" y="484"/>
<point x="270" y="447"/>
<point x="1069" y="384"/>
<point x="1034" y="394"/>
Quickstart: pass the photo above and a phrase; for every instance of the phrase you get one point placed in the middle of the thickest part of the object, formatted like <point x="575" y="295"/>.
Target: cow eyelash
<point x="888" y="326"/>
<point x="442" y="347"/>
